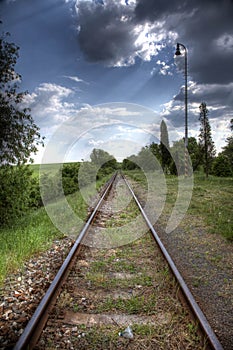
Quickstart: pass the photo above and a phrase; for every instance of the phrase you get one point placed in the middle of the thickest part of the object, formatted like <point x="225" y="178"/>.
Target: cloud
<point x="219" y="100"/>
<point x="108" y="33"/>
<point x="76" y="79"/>
<point x="49" y="105"/>
<point x="164" y="69"/>
<point x="115" y="33"/>
<point x="95" y="143"/>
<point x="204" y="27"/>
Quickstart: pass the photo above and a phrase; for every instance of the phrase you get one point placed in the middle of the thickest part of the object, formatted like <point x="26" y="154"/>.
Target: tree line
<point x="201" y="151"/>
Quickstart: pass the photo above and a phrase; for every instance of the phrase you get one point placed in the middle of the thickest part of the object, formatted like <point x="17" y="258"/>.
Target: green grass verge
<point x="35" y="233"/>
<point x="32" y="234"/>
<point x="211" y="203"/>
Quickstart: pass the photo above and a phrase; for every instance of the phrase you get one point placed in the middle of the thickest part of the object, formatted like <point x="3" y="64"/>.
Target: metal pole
<point x="186" y="114"/>
<point x="186" y="105"/>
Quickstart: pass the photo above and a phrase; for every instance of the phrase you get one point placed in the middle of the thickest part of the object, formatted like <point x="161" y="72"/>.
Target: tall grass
<point x="32" y="234"/>
<point x="35" y="232"/>
<point x="212" y="200"/>
<point x="210" y="206"/>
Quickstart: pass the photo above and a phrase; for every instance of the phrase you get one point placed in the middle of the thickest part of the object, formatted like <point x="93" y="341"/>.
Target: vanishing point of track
<point x="35" y="326"/>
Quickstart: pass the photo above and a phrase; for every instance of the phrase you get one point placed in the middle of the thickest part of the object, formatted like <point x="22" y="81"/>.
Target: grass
<point x="212" y="201"/>
<point x="35" y="232"/>
<point x="134" y="305"/>
<point x="210" y="207"/>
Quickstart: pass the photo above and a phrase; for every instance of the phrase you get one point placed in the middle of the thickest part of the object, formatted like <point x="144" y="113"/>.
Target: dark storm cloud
<point x="155" y="10"/>
<point x="215" y="94"/>
<point x="204" y="27"/>
<point x="108" y="32"/>
<point x="105" y="32"/>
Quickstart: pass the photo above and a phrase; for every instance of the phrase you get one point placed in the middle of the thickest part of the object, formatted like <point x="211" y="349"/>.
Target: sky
<point x="103" y="73"/>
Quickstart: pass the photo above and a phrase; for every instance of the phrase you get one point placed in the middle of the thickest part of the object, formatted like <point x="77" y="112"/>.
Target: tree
<point x="221" y="166"/>
<point x="146" y="159"/>
<point x="19" y="135"/>
<point x="164" y="147"/>
<point x="205" y="139"/>
<point x="103" y="159"/>
<point x="195" y="153"/>
<point x="155" y="150"/>
<point x="228" y="149"/>
<point x="130" y="163"/>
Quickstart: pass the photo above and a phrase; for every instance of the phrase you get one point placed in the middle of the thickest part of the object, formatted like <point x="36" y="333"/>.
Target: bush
<point x="15" y="186"/>
<point x="221" y="166"/>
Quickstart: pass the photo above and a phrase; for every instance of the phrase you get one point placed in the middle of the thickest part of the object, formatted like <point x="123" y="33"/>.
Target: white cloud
<point x="75" y="78"/>
<point x="95" y="143"/>
<point x="165" y="69"/>
<point x="48" y="104"/>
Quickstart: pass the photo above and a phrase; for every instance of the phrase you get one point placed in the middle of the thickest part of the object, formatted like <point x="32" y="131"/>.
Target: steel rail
<point x="26" y="341"/>
<point x="197" y="312"/>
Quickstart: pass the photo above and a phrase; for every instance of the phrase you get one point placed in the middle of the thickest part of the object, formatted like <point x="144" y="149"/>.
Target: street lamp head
<point x="177" y="53"/>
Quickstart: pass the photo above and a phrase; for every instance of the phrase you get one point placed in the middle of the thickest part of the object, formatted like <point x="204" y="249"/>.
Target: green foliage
<point x="70" y="177"/>
<point x="15" y="191"/>
<point x="228" y="149"/>
<point x="145" y="159"/>
<point x="65" y="180"/>
<point x="103" y="159"/>
<point x="177" y="165"/>
<point x="101" y="162"/>
<point x="164" y="147"/>
<point x="35" y="200"/>
<point x="87" y="174"/>
<point x="19" y="135"/>
<point x="155" y="150"/>
<point x="205" y="139"/>
<point x="130" y="163"/>
<point x="222" y="166"/>
<point x="194" y="151"/>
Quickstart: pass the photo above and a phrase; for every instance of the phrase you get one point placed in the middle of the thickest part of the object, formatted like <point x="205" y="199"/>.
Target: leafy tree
<point x="228" y="149"/>
<point x="15" y="188"/>
<point x="155" y="149"/>
<point x="164" y="147"/>
<point x="103" y="159"/>
<point x="19" y="137"/>
<point x="221" y="166"/>
<point x="178" y="158"/>
<point x="194" y="151"/>
<point x="147" y="160"/>
<point x="70" y="177"/>
<point x="130" y="163"/>
<point x="205" y="139"/>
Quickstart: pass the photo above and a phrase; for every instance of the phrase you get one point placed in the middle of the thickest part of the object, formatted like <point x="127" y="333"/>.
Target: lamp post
<point x="178" y="53"/>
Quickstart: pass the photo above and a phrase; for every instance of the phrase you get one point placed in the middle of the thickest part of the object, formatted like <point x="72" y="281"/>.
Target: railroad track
<point x="113" y="278"/>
